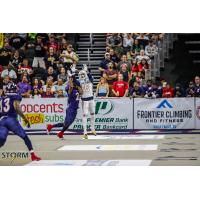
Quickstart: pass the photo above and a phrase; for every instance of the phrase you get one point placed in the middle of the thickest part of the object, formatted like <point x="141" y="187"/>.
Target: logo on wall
<point x="164" y="104"/>
<point x="104" y="107"/>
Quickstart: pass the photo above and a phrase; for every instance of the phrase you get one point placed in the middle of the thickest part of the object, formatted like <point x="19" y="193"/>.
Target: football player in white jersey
<point x="88" y="104"/>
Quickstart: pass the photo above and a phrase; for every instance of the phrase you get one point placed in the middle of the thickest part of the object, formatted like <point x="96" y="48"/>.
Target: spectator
<point x="167" y="91"/>
<point x="134" y="68"/>
<point x="102" y="88"/>
<point x="16" y="60"/>
<point x="124" y="71"/>
<point x="147" y="86"/>
<point x="135" y="90"/>
<point x="197" y="86"/>
<point x="190" y="92"/>
<point x="151" y="50"/>
<point x="110" y="76"/>
<point x="49" y="84"/>
<point x="62" y="75"/>
<point x="69" y="57"/>
<point x="24" y="87"/>
<point x="179" y="91"/>
<point x="120" y="87"/>
<point x="51" y="59"/>
<point x="153" y="92"/>
<point x="40" y="52"/>
<point x="104" y="63"/>
<point x="17" y="41"/>
<point x="5" y="82"/>
<point x="44" y="37"/>
<point x="37" y="85"/>
<point x="127" y="41"/>
<point x="60" y="86"/>
<point x="143" y="56"/>
<point x="136" y="48"/>
<point x="52" y="43"/>
<point x="129" y="54"/>
<point x="115" y="42"/>
<point x="124" y="61"/>
<point x="51" y="73"/>
<point x="10" y="72"/>
<point x="7" y="46"/>
<point x="143" y="65"/>
<point x="24" y="67"/>
<point x="36" y="93"/>
<point x="29" y="52"/>
<point x="113" y="57"/>
<point x="143" y="40"/>
<point x="48" y="93"/>
<point x="60" y="93"/>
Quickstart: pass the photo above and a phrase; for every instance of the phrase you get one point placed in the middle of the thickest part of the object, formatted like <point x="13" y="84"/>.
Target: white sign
<point x="115" y="114"/>
<point x="169" y="113"/>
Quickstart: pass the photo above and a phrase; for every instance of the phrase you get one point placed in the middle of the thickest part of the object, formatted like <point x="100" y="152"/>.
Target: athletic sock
<point x="84" y="124"/>
<point x="92" y="122"/>
<point x="65" y="127"/>
<point x="28" y="143"/>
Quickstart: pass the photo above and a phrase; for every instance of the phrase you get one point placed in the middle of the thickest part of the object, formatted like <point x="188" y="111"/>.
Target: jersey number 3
<point x="4" y="105"/>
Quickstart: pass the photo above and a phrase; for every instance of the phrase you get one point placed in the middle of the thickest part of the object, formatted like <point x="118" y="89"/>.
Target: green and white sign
<point x="109" y="114"/>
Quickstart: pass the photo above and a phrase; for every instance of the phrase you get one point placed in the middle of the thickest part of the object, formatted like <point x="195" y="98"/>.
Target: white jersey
<point x="87" y="88"/>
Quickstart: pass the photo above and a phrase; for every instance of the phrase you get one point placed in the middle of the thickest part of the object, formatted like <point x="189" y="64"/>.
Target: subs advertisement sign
<point x="171" y="113"/>
<point x="110" y="113"/>
<point x="43" y="111"/>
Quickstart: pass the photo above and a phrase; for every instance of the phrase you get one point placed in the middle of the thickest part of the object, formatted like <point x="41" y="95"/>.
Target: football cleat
<point x="94" y="132"/>
<point x="34" y="157"/>
<point x="60" y="135"/>
<point x="85" y="136"/>
<point x="49" y="127"/>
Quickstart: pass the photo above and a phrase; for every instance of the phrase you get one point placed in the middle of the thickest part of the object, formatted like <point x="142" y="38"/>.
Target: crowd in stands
<point x="135" y="89"/>
<point x="125" y="69"/>
<point x="37" y="63"/>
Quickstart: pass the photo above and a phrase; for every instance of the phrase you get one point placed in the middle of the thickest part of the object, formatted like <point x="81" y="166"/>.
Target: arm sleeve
<point x="76" y="82"/>
<point x="90" y="77"/>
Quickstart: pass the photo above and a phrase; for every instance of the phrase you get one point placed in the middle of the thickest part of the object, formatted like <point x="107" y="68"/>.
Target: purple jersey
<point x="73" y="98"/>
<point x="7" y="105"/>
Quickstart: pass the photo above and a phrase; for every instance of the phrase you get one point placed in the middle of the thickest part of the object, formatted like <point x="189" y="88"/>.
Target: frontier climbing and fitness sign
<point x="171" y="113"/>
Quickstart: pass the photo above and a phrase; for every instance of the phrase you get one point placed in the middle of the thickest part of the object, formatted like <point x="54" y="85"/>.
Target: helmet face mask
<point x="82" y="75"/>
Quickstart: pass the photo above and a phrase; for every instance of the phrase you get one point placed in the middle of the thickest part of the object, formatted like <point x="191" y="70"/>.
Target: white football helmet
<point x="82" y="75"/>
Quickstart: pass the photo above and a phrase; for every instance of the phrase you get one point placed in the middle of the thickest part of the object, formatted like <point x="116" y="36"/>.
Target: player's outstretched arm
<point x="20" y="113"/>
